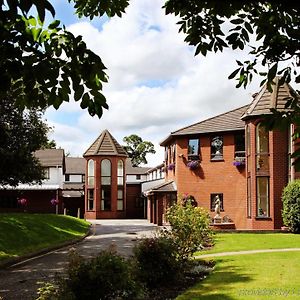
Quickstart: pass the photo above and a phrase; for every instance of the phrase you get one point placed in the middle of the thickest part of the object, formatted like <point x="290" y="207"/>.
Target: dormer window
<point x="193" y="149"/>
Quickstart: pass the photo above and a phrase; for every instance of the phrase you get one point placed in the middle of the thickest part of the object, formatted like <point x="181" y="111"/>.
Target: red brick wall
<point x="213" y="177"/>
<point x="278" y="174"/>
<point x="98" y="213"/>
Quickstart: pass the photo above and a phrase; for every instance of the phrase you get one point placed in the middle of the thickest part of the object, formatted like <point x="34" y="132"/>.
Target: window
<point x="90" y="199"/>
<point x="120" y="172"/>
<point x="239" y="143"/>
<point x="248" y="144"/>
<point x="262" y="184"/>
<point x="120" y="200"/>
<point x="249" y="209"/>
<point x="105" y="184"/>
<point x="91" y="172"/>
<point x="193" y="149"/>
<point x="83" y="178"/>
<point x="138" y="177"/>
<point x="216" y="147"/>
<point x="67" y="177"/>
<point x="262" y="149"/>
<point x="213" y="198"/>
<point x="46" y="172"/>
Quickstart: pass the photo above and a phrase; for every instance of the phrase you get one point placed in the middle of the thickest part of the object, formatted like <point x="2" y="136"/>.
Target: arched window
<point x="262" y="148"/>
<point x="91" y="173"/>
<point x="262" y="171"/>
<point x="120" y="201"/>
<point x="105" y="184"/>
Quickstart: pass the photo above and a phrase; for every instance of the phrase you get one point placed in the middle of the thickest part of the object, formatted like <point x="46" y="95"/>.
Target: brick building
<point x="234" y="157"/>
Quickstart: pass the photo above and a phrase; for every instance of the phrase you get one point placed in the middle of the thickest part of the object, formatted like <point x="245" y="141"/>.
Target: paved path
<point x="20" y="281"/>
<point x="246" y="252"/>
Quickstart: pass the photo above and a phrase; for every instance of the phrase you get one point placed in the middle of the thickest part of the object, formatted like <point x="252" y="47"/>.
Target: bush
<point x="156" y="262"/>
<point x="190" y="229"/>
<point x="107" y="276"/>
<point x="291" y="206"/>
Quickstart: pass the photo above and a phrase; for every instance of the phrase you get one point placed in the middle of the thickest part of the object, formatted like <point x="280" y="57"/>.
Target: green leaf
<point x="78" y="92"/>
<point x="272" y="72"/>
<point x="54" y="24"/>
<point x="234" y="73"/>
<point x="85" y="101"/>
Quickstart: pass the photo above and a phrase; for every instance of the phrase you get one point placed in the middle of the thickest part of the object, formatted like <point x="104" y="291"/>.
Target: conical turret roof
<point x="265" y="100"/>
<point x="104" y="145"/>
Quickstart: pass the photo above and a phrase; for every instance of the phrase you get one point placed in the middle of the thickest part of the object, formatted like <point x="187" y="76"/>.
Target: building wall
<point x="38" y="201"/>
<point x="134" y="179"/>
<point x="278" y="178"/>
<point x="55" y="176"/>
<point x="97" y="213"/>
<point x="135" y="204"/>
<point x="212" y="177"/>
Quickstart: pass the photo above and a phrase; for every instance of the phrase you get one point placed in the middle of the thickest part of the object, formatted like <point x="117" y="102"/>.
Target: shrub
<point x="156" y="262"/>
<point x="291" y="206"/>
<point x="107" y="276"/>
<point x="190" y="229"/>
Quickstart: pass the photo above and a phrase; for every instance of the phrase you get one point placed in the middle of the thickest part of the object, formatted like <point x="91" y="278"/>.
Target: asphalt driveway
<point x="20" y="281"/>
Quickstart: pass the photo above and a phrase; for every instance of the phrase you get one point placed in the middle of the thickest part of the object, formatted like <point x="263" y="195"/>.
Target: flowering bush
<point x="54" y="201"/>
<point x="171" y="166"/>
<point x="23" y="201"/>
<point x="239" y="161"/>
<point x="193" y="164"/>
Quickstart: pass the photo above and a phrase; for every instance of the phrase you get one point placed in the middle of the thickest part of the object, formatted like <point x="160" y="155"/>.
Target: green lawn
<point x="25" y="233"/>
<point x="227" y="242"/>
<point x="251" y="276"/>
<point x="255" y="276"/>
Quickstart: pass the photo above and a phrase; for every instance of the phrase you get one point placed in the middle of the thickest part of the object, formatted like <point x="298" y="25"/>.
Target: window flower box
<point x="193" y="164"/>
<point x="239" y="161"/>
<point x="171" y="167"/>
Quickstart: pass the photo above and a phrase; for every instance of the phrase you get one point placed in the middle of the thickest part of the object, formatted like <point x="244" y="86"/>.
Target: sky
<point x="156" y="84"/>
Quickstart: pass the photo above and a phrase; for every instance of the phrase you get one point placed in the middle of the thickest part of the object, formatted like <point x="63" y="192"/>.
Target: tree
<point x="41" y="65"/>
<point x="269" y="30"/>
<point x="21" y="133"/>
<point x="137" y="149"/>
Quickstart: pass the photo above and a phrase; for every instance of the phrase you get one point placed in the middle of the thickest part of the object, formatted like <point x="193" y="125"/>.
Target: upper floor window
<point x="138" y="177"/>
<point x="91" y="172"/>
<point x="46" y="173"/>
<point x="67" y="177"/>
<point x="239" y="143"/>
<point x="83" y="178"/>
<point x="105" y="172"/>
<point x="216" y="148"/>
<point x="120" y="172"/>
<point x="105" y="184"/>
<point x="262" y="148"/>
<point x="193" y="149"/>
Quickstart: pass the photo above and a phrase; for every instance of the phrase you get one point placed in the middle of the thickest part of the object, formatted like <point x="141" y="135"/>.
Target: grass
<point x="255" y="276"/>
<point x="252" y="276"/>
<point x="22" y="234"/>
<point x="227" y="242"/>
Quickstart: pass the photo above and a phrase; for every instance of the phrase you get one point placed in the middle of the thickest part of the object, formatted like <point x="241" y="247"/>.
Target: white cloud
<point x="156" y="84"/>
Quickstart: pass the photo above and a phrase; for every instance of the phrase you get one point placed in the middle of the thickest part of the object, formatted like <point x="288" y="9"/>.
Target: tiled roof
<point x="166" y="187"/>
<point x="73" y="186"/>
<point x="228" y="121"/>
<point x="50" y="157"/>
<point x="105" y="144"/>
<point x="75" y="165"/>
<point x="130" y="170"/>
<point x="264" y="100"/>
